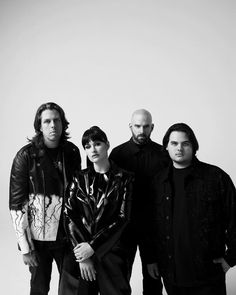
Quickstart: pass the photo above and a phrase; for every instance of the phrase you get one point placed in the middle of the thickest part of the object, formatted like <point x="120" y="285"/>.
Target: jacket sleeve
<point x="230" y="216"/>
<point x="75" y="229"/>
<point x="18" y="202"/>
<point x="106" y="238"/>
<point x="77" y="159"/>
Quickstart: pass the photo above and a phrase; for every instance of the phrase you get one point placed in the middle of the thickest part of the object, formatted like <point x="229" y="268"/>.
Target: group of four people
<point x="180" y="212"/>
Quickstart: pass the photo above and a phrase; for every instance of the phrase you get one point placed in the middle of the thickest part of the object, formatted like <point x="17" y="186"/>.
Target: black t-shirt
<point x="184" y="269"/>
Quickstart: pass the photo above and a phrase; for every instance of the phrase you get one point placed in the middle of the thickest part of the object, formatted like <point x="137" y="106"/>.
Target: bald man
<point x="144" y="158"/>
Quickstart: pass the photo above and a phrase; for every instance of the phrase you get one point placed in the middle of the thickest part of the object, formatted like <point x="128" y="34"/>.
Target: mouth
<point x="95" y="156"/>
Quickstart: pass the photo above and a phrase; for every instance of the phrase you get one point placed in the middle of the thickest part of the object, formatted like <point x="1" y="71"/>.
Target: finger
<point x="92" y="275"/>
<point x="82" y="274"/>
<point x="86" y="275"/>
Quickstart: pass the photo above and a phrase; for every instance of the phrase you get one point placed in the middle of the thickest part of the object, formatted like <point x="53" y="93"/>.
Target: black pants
<point x="41" y="275"/>
<point x="111" y="276"/>
<point x="216" y="288"/>
<point x="150" y="286"/>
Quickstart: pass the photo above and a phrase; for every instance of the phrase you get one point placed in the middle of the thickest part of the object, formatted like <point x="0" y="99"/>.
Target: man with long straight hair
<point x="40" y="172"/>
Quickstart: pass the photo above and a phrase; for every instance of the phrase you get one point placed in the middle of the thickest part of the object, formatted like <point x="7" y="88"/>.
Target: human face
<point x="97" y="151"/>
<point x="51" y="127"/>
<point x="180" y="149"/>
<point x="141" y="128"/>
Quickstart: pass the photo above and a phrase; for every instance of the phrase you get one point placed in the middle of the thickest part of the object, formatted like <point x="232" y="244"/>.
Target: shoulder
<point x="71" y="151"/>
<point x="121" y="172"/>
<point x="121" y="147"/>
<point x="156" y="146"/>
<point x="209" y="167"/>
<point x="70" y="146"/>
<point x="27" y="150"/>
<point x="211" y="171"/>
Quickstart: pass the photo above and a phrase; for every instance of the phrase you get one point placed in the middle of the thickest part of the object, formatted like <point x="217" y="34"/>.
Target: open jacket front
<point x="211" y="216"/>
<point x="37" y="193"/>
<point x="98" y="215"/>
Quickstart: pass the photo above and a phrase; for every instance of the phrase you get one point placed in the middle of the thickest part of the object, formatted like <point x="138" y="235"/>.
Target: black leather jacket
<point x="211" y="215"/>
<point x="37" y="192"/>
<point x="98" y="208"/>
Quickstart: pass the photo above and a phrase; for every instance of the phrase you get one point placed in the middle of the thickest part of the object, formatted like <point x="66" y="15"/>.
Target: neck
<point x="102" y="167"/>
<point x="182" y="165"/>
<point x="51" y="144"/>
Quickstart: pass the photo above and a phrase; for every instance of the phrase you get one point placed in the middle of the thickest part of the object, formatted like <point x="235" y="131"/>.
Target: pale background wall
<point x="101" y="60"/>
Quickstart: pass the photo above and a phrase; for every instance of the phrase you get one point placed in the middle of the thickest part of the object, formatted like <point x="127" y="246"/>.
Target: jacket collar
<point x="195" y="170"/>
<point x="135" y="148"/>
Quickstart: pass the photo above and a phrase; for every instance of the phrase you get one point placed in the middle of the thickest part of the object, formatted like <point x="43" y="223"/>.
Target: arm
<point x="18" y="202"/>
<point x="104" y="240"/>
<point x="229" y="193"/>
<point x="75" y="228"/>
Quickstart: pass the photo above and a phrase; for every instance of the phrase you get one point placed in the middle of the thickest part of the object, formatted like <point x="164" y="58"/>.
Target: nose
<point x="141" y="130"/>
<point x="52" y="123"/>
<point x="180" y="147"/>
<point x="93" y="149"/>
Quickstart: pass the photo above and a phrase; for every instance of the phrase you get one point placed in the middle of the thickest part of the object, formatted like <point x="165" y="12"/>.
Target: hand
<point x="87" y="270"/>
<point x="31" y="259"/>
<point x="83" y="251"/>
<point x="224" y="264"/>
<point x="153" y="270"/>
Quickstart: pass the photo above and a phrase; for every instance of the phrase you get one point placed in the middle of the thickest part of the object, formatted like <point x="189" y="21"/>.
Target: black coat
<point x="98" y="217"/>
<point x="211" y="215"/>
<point x="37" y="192"/>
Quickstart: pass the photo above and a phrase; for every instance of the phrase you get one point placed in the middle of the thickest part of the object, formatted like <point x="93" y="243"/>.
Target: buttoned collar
<point x="135" y="148"/>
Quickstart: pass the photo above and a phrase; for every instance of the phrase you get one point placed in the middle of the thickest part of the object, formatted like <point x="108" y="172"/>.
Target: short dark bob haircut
<point x="38" y="138"/>
<point x="93" y="134"/>
<point x="181" y="127"/>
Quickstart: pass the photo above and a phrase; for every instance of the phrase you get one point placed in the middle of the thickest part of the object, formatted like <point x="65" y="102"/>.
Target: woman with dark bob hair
<point x="97" y="212"/>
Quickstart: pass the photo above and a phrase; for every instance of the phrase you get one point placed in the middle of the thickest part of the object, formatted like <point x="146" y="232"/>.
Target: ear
<point x="152" y="126"/>
<point x="108" y="145"/>
<point x="130" y="125"/>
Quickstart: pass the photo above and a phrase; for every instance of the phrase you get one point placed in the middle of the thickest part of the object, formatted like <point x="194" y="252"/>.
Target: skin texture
<point x="141" y="126"/>
<point x="51" y="128"/>
<point x="180" y="149"/>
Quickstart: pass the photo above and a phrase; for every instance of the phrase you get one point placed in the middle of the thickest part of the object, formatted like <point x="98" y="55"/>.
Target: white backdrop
<point x="101" y="60"/>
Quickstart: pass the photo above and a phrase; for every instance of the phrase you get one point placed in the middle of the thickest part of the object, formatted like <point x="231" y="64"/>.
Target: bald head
<point x="141" y="126"/>
<point x="142" y="113"/>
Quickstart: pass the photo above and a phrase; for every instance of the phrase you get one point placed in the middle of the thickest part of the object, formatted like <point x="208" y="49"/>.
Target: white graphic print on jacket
<point x="38" y="220"/>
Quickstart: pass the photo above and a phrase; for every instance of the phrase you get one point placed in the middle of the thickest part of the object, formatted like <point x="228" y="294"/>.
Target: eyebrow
<point x="138" y="125"/>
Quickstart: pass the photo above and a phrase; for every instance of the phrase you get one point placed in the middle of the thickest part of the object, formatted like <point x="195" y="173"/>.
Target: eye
<point x="187" y="144"/>
<point x="174" y="143"/>
<point x="87" y="146"/>
<point x="47" y="121"/>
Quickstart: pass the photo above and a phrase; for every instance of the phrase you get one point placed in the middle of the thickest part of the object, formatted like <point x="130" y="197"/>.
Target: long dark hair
<point x="37" y="139"/>
<point x="182" y="127"/>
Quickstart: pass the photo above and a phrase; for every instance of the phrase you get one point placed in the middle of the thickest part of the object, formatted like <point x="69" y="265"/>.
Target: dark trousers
<point x="41" y="275"/>
<point x="216" y="288"/>
<point x="111" y="276"/>
<point x="150" y="286"/>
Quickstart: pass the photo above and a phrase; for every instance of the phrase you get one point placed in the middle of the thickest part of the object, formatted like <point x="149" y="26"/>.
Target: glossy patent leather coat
<point x="98" y="218"/>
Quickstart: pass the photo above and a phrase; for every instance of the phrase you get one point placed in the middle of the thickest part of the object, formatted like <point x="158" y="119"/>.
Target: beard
<point x="141" y="138"/>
